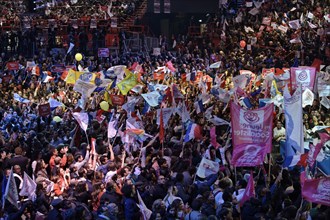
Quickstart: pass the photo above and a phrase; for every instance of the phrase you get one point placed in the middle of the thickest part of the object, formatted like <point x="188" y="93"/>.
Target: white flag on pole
<point x="29" y="187"/>
<point x="82" y="119"/>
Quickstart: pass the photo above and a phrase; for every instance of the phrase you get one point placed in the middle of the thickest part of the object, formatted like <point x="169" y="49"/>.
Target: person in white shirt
<point x="279" y="136"/>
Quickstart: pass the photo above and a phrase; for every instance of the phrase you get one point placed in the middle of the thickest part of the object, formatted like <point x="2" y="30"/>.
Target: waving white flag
<point x="82" y="119"/>
<point x="29" y="187"/>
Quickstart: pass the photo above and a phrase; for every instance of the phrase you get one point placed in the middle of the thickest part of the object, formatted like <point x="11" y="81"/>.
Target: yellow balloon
<point x="104" y="106"/>
<point x="57" y="119"/>
<point x="78" y="57"/>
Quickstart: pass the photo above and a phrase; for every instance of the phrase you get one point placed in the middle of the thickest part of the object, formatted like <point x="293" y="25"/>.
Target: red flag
<point x="159" y="75"/>
<point x="317" y="63"/>
<point x="161" y="127"/>
<point x="249" y="190"/>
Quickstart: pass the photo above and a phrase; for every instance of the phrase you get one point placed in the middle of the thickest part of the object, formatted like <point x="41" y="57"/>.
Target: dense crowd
<point x="84" y="174"/>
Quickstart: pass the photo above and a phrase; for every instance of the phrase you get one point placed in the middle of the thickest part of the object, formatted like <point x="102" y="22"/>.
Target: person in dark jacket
<point x="130" y="206"/>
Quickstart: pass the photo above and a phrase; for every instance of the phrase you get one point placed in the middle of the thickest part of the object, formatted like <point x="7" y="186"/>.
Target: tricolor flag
<point x="82" y="119"/>
<point x="296" y="160"/>
<point x="194" y="131"/>
<point x="11" y="193"/>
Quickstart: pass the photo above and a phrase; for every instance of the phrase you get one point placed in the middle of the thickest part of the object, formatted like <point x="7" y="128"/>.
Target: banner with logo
<point x="303" y="75"/>
<point x="317" y="191"/>
<point x="251" y="133"/>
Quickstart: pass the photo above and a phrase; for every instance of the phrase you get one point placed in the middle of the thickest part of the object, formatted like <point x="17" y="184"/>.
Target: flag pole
<point x="236" y="190"/>
<point x="269" y="167"/>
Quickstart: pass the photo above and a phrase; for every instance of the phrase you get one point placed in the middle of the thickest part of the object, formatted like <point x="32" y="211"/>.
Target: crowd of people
<point x="85" y="173"/>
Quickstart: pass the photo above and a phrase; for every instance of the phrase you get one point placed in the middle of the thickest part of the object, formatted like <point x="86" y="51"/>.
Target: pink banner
<point x="251" y="133"/>
<point x="317" y="191"/>
<point x="304" y="75"/>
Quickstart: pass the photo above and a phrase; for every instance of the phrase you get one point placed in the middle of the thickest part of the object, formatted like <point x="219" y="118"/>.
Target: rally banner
<point x="303" y="75"/>
<point x="293" y="119"/>
<point x="317" y="190"/>
<point x="251" y="133"/>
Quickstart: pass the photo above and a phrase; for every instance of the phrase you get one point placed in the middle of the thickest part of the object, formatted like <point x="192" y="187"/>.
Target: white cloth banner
<point x="84" y="88"/>
<point x="307" y="97"/>
<point x="29" y="187"/>
<point x="82" y="119"/>
<point x="207" y="167"/>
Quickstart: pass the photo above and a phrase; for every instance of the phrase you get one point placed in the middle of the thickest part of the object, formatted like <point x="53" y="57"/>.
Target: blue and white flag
<point x="293" y="119"/>
<point x="11" y="193"/>
<point x="54" y="103"/>
<point x="151" y="98"/>
<point x="199" y="106"/>
<point x="20" y="99"/>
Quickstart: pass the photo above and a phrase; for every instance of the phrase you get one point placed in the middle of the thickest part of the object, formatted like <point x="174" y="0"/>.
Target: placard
<point x="44" y="110"/>
<point x="103" y="52"/>
<point x="12" y="66"/>
<point x="117" y="99"/>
